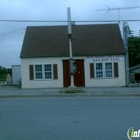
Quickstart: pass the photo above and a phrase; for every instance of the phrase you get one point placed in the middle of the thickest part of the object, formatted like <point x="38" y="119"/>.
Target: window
<point x="38" y="72"/>
<point x="43" y="72"/>
<point x="108" y="70"/>
<point x="104" y="70"/>
<point x="99" y="70"/>
<point x="48" y="71"/>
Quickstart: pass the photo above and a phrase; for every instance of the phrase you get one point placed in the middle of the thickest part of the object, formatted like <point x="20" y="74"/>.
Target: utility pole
<point x="125" y="40"/>
<point x="70" y="50"/>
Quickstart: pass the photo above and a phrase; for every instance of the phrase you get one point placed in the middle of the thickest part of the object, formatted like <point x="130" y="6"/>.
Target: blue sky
<point x="11" y="42"/>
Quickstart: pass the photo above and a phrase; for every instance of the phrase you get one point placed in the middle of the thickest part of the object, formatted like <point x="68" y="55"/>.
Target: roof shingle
<point x="88" y="40"/>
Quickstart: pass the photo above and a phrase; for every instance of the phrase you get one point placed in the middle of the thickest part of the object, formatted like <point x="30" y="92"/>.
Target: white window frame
<point x="99" y="70"/>
<point x="112" y="70"/>
<point x="48" y="71"/>
<point x="36" y="72"/>
<point x="43" y="71"/>
<point x="104" y="70"/>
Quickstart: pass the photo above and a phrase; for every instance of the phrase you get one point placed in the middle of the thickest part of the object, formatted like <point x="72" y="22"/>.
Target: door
<point x="79" y="75"/>
<point x="137" y="77"/>
<point x="66" y="74"/>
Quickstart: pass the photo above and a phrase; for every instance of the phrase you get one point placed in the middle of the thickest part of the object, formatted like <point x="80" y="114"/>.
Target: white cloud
<point x="54" y="10"/>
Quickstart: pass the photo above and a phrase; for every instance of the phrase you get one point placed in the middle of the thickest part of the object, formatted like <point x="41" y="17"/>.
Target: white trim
<point x="43" y="72"/>
<point x="112" y="70"/>
<point x="35" y="72"/>
<point x="104" y="74"/>
<point x="51" y="71"/>
<point x="106" y="58"/>
<point x="95" y="70"/>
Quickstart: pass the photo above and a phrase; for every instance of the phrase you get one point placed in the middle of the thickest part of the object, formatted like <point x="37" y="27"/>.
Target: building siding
<point x="27" y="83"/>
<point x="105" y="82"/>
<point x="16" y="74"/>
<point x="58" y="83"/>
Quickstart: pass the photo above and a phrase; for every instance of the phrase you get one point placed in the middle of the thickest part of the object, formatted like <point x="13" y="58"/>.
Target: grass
<point x="72" y="91"/>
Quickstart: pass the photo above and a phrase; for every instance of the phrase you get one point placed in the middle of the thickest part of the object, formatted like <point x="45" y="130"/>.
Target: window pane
<point x="108" y="66"/>
<point x="99" y="66"/>
<point x="99" y="70"/>
<point x="48" y="71"/>
<point x="109" y="74"/>
<point x="38" y="72"/>
<point x="99" y="74"/>
<point x="38" y="68"/>
<point x="48" y="75"/>
<point x="39" y="75"/>
<point x="48" y="67"/>
<point x="108" y="70"/>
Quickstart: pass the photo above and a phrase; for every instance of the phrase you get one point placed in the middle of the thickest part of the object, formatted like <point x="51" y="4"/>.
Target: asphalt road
<point x="68" y="118"/>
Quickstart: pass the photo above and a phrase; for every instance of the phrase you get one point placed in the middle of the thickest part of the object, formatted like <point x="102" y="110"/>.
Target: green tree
<point x="3" y="73"/>
<point x="134" y="50"/>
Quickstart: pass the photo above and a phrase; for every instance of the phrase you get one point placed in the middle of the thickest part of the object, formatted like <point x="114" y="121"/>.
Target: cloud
<point x="54" y="10"/>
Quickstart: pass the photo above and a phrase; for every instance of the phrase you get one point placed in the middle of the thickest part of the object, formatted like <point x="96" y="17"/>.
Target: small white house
<point x="98" y="52"/>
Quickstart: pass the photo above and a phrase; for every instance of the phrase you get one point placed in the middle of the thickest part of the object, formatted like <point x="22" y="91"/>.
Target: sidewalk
<point x="14" y="92"/>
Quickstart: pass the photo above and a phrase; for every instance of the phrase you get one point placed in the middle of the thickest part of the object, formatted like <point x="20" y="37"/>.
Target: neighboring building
<point x="135" y="74"/>
<point x="9" y="71"/>
<point x="8" y="79"/>
<point x="16" y="74"/>
<point x="98" y="52"/>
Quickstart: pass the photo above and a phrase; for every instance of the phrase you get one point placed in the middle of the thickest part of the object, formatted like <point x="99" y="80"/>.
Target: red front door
<point x="79" y="75"/>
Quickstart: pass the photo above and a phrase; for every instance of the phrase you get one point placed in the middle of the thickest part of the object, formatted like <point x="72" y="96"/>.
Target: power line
<point x="7" y="46"/>
<point x="135" y="31"/>
<point x="12" y="31"/>
<point x="69" y="21"/>
<point x="136" y="34"/>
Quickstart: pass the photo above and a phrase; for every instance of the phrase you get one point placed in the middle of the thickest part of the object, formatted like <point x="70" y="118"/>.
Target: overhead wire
<point x="12" y="31"/>
<point x="5" y="46"/>
<point x="68" y="21"/>
<point x="61" y="21"/>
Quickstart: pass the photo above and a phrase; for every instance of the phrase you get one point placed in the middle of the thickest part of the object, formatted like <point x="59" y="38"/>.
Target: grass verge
<point x="72" y="91"/>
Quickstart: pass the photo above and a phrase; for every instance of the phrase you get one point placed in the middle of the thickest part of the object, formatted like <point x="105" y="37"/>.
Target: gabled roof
<point x="134" y="68"/>
<point x="88" y="40"/>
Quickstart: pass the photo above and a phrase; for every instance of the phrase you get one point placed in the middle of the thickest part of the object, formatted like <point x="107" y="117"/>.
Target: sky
<point x="12" y="33"/>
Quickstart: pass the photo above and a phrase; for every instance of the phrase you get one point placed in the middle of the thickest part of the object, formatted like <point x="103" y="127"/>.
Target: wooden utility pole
<point x="70" y="50"/>
<point x="125" y="40"/>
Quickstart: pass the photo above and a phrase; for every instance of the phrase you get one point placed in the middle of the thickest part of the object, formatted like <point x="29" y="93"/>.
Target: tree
<point x="134" y="50"/>
<point x="3" y="73"/>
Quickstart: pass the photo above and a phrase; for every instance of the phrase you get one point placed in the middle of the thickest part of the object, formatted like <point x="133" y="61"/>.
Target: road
<point x="68" y="118"/>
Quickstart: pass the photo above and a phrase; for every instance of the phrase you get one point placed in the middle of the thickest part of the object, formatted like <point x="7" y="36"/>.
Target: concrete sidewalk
<point x="14" y="92"/>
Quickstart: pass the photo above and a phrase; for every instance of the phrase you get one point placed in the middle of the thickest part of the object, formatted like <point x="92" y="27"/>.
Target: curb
<point x="67" y="95"/>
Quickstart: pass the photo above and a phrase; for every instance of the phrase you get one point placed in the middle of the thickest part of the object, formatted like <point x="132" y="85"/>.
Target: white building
<point x="16" y="74"/>
<point x="98" y="52"/>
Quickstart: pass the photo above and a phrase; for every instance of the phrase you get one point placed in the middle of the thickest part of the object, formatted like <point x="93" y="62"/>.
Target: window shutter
<point x="91" y="70"/>
<point x="31" y="72"/>
<point x="116" y="74"/>
<point x="55" y="75"/>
